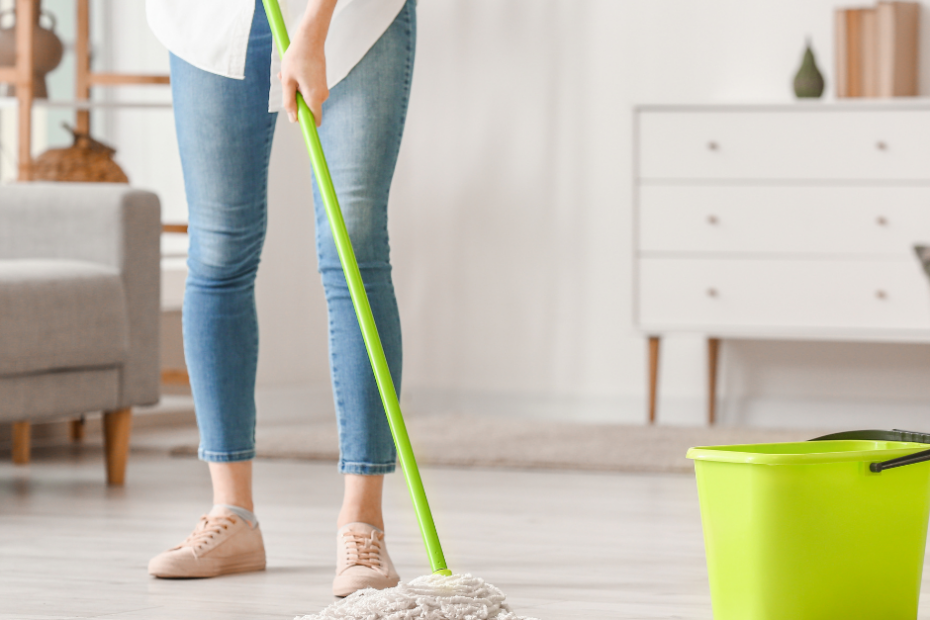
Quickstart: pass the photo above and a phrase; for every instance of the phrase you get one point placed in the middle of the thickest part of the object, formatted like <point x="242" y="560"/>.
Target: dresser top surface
<point x="848" y="105"/>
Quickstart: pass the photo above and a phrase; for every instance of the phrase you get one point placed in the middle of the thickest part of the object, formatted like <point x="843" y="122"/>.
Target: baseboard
<point x="760" y="412"/>
<point x="826" y="413"/>
<point x="590" y="409"/>
<point x="285" y="404"/>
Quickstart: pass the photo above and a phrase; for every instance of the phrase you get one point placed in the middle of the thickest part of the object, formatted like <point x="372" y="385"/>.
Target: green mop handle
<point x="362" y="309"/>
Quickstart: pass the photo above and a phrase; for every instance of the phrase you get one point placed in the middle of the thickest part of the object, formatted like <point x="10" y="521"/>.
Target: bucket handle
<point x="893" y="435"/>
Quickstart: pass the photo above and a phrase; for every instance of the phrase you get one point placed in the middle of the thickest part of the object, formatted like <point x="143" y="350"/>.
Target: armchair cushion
<point x="106" y="224"/>
<point x="61" y="314"/>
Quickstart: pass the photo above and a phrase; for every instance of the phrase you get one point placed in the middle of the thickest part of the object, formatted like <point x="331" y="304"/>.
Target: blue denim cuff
<point x="366" y="469"/>
<point x="225" y="457"/>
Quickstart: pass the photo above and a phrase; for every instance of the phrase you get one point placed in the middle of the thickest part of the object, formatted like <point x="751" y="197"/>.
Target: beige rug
<point x="480" y="441"/>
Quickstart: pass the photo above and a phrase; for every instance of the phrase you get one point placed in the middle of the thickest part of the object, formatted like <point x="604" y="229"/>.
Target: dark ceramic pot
<point x="47" y="49"/>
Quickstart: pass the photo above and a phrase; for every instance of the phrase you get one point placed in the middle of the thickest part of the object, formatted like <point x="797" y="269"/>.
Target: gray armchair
<point x="79" y="308"/>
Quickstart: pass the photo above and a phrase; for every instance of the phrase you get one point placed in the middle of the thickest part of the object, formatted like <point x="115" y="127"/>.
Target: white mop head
<point x="431" y="597"/>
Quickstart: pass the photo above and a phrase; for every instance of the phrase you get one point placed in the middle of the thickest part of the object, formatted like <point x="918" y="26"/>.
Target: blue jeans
<point x="224" y="134"/>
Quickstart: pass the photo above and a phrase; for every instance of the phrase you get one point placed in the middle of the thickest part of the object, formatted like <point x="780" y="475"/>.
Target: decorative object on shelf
<point x="86" y="161"/>
<point x="47" y="49"/>
<point x="808" y="82"/>
<point x="85" y="79"/>
<point x="877" y="50"/>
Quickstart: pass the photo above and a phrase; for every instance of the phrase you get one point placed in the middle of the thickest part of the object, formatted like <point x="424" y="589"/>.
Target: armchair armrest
<point x="108" y="224"/>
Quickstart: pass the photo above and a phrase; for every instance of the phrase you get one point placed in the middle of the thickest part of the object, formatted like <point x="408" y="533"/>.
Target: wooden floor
<point x="561" y="545"/>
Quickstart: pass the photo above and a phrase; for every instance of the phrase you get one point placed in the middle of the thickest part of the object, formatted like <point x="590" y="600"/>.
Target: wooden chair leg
<point x="653" y="377"/>
<point x="22" y="442"/>
<point x="116" y="430"/>
<point x="713" y="357"/>
<point x="175" y="376"/>
<point x="76" y="430"/>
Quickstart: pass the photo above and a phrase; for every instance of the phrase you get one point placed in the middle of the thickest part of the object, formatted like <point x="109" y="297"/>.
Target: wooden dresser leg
<point x="76" y="430"/>
<point x="116" y="430"/>
<point x="653" y="376"/>
<point x="713" y="358"/>
<point x="22" y="442"/>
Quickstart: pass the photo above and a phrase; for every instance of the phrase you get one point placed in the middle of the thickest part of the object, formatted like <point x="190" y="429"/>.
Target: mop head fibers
<point x="431" y="597"/>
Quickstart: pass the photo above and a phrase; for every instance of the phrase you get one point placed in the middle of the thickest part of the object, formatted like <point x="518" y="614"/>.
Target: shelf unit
<point x="21" y="75"/>
<point x="73" y="104"/>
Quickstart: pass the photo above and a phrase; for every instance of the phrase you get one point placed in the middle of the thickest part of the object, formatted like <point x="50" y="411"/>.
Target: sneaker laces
<point x="363" y="550"/>
<point x="208" y="527"/>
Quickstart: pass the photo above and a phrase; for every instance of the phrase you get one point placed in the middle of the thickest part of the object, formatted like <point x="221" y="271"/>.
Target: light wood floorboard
<point x="561" y="545"/>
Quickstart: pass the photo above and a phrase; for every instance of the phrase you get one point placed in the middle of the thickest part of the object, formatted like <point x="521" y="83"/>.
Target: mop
<point x="441" y="595"/>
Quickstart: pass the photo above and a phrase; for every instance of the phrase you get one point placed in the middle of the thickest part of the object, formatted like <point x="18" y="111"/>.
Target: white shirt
<point x="213" y="35"/>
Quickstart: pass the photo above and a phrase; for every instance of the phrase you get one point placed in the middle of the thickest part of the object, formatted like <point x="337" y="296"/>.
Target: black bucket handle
<point x="893" y="435"/>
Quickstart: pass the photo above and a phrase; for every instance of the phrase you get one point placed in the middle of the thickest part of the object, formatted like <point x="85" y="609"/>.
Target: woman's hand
<point x="303" y="67"/>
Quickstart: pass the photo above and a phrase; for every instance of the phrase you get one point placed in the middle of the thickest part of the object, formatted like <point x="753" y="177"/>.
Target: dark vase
<point x="808" y="83"/>
<point x="47" y="49"/>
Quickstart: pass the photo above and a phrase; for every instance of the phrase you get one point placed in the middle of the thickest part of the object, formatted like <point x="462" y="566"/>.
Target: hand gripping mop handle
<point x="362" y="308"/>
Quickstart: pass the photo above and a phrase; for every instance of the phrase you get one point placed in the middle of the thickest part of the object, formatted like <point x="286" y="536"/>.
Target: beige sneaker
<point x="362" y="560"/>
<point x="221" y="544"/>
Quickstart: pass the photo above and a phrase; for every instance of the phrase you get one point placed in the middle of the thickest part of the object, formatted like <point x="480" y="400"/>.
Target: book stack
<point x="876" y="50"/>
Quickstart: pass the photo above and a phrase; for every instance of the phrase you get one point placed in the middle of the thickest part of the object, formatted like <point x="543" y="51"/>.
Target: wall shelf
<point x="13" y="102"/>
<point x="22" y="76"/>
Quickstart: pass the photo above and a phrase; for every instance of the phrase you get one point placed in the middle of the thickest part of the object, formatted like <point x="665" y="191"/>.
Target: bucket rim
<point x="880" y="451"/>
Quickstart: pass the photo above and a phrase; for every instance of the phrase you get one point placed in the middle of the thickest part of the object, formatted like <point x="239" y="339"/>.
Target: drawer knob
<point x="881" y="221"/>
<point x="880" y="294"/>
<point x="881" y="146"/>
<point x="712" y="292"/>
<point x="712" y="220"/>
<point x="713" y="146"/>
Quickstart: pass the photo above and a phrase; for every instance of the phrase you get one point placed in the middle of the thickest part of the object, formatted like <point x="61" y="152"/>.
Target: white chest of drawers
<point x="794" y="221"/>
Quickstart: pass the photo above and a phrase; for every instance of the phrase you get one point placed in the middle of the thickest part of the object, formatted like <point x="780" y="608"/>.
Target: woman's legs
<point x="363" y="121"/>
<point x="232" y="484"/>
<point x="224" y="134"/>
<point x="361" y="502"/>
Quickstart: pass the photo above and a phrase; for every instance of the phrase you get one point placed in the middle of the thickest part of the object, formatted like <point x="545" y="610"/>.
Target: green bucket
<point x="819" y="530"/>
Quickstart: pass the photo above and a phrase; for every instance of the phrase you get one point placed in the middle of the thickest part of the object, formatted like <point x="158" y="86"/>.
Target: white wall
<point x="511" y="218"/>
<point x="512" y="211"/>
<point x="144" y="138"/>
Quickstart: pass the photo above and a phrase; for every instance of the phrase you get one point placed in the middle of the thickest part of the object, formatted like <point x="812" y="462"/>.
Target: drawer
<point x="780" y="219"/>
<point x="829" y="143"/>
<point x="780" y="294"/>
